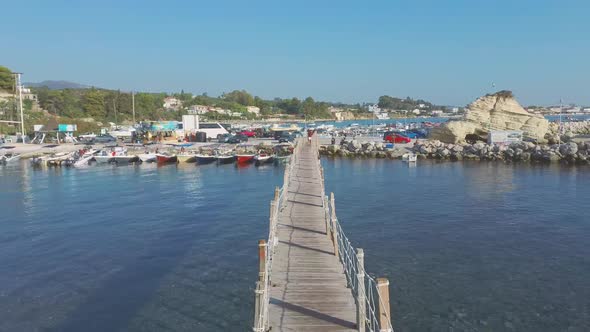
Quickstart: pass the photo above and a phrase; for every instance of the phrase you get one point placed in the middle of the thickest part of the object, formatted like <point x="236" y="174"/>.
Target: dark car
<point x="286" y="138"/>
<point x="236" y="139"/>
<point x="104" y="139"/>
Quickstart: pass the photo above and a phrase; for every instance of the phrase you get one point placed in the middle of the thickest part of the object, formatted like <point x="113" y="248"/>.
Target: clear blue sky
<point x="448" y="52"/>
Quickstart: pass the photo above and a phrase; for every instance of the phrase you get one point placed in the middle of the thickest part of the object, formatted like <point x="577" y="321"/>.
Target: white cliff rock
<point x="499" y="111"/>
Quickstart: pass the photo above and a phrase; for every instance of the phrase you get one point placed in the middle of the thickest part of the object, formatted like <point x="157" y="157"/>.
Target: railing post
<point x="261" y="259"/>
<point x="360" y="300"/>
<point x="384" y="313"/>
<point x="334" y="221"/>
<point x="258" y="322"/>
<point x="327" y="215"/>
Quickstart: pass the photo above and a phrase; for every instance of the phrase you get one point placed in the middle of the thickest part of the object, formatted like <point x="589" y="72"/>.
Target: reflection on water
<point x="467" y="246"/>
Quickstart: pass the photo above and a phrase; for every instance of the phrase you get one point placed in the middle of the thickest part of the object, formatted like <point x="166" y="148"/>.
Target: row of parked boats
<point x="120" y="155"/>
<point x="9" y="158"/>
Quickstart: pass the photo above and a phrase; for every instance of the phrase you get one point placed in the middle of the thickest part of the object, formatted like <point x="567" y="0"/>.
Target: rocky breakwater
<point x="498" y="111"/>
<point x="571" y="152"/>
<point x="354" y="148"/>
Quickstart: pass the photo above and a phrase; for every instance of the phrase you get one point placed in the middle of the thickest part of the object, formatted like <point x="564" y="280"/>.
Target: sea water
<point x="466" y="246"/>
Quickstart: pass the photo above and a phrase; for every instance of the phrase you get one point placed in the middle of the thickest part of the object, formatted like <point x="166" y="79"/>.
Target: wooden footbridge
<point x="310" y="277"/>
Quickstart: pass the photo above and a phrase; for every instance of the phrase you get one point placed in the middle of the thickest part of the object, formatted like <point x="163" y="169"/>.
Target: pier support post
<point x="261" y="259"/>
<point x="327" y="217"/>
<point x="384" y="313"/>
<point x="258" y="321"/>
<point x="360" y="299"/>
<point x="334" y="221"/>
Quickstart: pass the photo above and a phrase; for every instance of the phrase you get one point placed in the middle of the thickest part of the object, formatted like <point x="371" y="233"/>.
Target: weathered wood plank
<point x="309" y="290"/>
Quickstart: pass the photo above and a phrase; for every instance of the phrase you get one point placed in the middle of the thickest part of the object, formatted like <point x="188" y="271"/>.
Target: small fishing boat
<point x="281" y="160"/>
<point x="9" y="158"/>
<point x="186" y="158"/>
<point x="409" y="157"/>
<point x="263" y="158"/>
<point x="83" y="161"/>
<point x="104" y="157"/>
<point x="226" y="158"/>
<point x="203" y="159"/>
<point x="147" y="157"/>
<point x="245" y="158"/>
<point x="166" y="158"/>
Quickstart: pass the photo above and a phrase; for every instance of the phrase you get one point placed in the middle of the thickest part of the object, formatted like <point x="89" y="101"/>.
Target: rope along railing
<point x="266" y="249"/>
<point x="371" y="295"/>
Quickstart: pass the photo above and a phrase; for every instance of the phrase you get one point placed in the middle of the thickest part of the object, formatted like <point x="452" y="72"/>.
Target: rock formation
<point x="498" y="111"/>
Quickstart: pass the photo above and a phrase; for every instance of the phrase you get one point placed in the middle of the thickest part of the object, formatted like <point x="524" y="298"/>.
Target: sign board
<point x="38" y="127"/>
<point x="67" y="128"/>
<point x="504" y="136"/>
<point x="164" y="126"/>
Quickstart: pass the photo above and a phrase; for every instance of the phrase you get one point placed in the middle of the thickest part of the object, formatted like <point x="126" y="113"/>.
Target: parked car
<point x="104" y="139"/>
<point x="236" y="139"/>
<point x="393" y="137"/>
<point x="248" y="133"/>
<point x="286" y="138"/>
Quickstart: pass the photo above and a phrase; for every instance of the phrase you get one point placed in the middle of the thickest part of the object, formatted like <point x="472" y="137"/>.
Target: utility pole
<point x="115" y="108"/>
<point x="559" y="131"/>
<point x="133" y="105"/>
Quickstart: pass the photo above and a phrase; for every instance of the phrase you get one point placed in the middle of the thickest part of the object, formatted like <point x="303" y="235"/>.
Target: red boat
<point x="248" y="133"/>
<point x="245" y="158"/>
<point x="163" y="158"/>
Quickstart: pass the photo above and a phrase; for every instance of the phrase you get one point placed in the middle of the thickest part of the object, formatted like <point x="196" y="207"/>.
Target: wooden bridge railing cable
<point x="371" y="295"/>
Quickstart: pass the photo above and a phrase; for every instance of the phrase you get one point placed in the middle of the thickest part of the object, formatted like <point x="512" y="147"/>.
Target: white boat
<point x="84" y="160"/>
<point x="104" y="157"/>
<point x="409" y="157"/>
<point x="147" y="157"/>
<point x="9" y="158"/>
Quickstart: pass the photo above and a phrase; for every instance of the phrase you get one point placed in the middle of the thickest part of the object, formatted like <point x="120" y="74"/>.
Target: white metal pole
<point x="133" y="105"/>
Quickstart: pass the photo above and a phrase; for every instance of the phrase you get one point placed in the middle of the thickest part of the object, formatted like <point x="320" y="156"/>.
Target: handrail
<point x="261" y="316"/>
<point x="371" y="296"/>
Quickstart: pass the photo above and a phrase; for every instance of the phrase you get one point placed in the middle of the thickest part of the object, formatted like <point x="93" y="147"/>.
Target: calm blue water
<point x="467" y="246"/>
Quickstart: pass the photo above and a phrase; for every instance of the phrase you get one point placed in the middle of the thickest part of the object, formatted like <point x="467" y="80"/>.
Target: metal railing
<point x="266" y="249"/>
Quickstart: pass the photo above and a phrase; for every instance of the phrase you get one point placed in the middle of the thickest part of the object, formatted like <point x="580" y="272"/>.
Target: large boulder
<point x="499" y="111"/>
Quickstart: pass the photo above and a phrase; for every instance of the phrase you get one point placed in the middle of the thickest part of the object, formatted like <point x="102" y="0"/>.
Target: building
<point x="172" y="103"/>
<point x="198" y="109"/>
<point x="333" y="109"/>
<point x="253" y="109"/>
<point x="437" y="113"/>
<point x="374" y="108"/>
<point x="416" y="111"/>
<point x="455" y="110"/>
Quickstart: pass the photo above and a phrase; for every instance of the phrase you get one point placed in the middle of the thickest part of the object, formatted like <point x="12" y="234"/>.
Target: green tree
<point x="6" y="79"/>
<point x="93" y="104"/>
<point x="241" y="97"/>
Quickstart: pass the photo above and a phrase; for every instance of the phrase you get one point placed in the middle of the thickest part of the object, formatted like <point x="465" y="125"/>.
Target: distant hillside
<point x="57" y="85"/>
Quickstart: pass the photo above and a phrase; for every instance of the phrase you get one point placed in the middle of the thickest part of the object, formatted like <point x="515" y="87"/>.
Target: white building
<point x="333" y="109"/>
<point x="171" y="103"/>
<point x="455" y="110"/>
<point x="437" y="112"/>
<point x="253" y="109"/>
<point x="416" y="111"/>
<point x="198" y="109"/>
<point x="374" y="108"/>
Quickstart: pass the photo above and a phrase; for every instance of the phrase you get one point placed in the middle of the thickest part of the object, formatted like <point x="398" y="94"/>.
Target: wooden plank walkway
<point x="309" y="291"/>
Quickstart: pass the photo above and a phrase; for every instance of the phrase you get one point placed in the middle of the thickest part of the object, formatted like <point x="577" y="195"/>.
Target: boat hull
<point x="226" y="159"/>
<point x="161" y="159"/>
<point x="244" y="159"/>
<point x="203" y="160"/>
<point x="261" y="160"/>
<point x="186" y="158"/>
<point x="147" y="157"/>
<point x="102" y="159"/>
<point x="125" y="159"/>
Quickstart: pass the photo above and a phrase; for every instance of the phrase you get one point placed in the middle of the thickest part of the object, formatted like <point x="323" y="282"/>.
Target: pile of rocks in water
<point x="355" y="148"/>
<point x="570" y="152"/>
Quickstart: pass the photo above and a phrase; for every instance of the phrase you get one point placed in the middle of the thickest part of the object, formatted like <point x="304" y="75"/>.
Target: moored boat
<point x="166" y="158"/>
<point x="203" y="159"/>
<point x="9" y="158"/>
<point x="263" y="158"/>
<point x="147" y="157"/>
<point x="84" y="160"/>
<point x="226" y="159"/>
<point x="125" y="159"/>
<point x="409" y="157"/>
<point x="186" y="158"/>
<point x="245" y="158"/>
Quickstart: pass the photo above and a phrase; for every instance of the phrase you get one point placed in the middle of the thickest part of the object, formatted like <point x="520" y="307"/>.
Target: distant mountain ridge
<point x="57" y="85"/>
